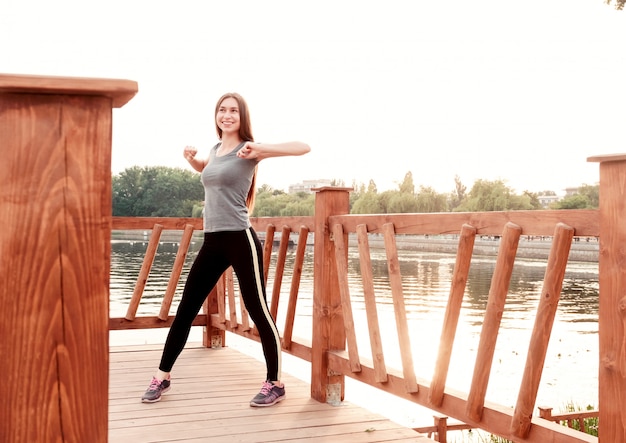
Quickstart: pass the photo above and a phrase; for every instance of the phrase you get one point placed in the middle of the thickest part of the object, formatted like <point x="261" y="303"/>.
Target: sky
<point x="522" y="92"/>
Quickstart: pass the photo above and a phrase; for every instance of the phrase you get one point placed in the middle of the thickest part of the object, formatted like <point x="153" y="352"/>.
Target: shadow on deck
<point x="209" y="401"/>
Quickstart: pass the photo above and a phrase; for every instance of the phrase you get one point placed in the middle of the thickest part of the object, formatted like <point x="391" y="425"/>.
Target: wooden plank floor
<point x="209" y="402"/>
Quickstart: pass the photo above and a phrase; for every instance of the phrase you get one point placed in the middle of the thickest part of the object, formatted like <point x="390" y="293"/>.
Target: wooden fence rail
<point x="439" y="430"/>
<point x="574" y="420"/>
<point x="516" y="423"/>
<point x="405" y="383"/>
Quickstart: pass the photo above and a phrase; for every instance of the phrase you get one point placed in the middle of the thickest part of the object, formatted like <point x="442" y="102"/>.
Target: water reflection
<point x="427" y="278"/>
<point x="426" y="283"/>
<point x="570" y="373"/>
<point x="126" y="261"/>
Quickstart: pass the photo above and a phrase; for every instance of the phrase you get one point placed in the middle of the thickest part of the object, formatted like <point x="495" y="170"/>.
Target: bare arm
<point x="262" y="151"/>
<point x="196" y="163"/>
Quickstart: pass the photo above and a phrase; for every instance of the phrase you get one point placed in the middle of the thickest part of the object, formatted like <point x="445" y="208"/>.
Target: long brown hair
<point x="245" y="134"/>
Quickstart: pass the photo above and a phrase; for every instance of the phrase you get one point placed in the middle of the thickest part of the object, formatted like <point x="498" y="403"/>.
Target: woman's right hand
<point x="190" y="153"/>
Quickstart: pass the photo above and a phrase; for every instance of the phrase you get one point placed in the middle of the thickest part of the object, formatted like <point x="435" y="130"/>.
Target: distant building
<point x="307" y="185"/>
<point x="547" y="200"/>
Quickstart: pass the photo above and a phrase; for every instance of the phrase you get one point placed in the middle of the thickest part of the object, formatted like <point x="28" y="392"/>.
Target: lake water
<point x="571" y="369"/>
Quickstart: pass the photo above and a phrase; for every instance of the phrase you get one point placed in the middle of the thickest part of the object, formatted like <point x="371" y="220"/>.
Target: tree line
<point x="160" y="191"/>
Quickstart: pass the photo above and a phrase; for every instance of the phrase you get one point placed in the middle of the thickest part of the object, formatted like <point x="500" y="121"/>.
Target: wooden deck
<point x="209" y="401"/>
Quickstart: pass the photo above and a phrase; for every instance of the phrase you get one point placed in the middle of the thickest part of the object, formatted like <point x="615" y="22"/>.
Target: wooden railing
<point x="222" y="315"/>
<point x="439" y="430"/>
<point x="471" y="408"/>
<point x="220" y="309"/>
<point x="332" y="347"/>
<point x="575" y="420"/>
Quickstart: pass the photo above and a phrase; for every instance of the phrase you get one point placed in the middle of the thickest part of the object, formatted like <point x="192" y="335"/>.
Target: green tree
<point x="533" y="198"/>
<point x="488" y="195"/>
<point x="401" y="202"/>
<point x="156" y="191"/>
<point x="264" y="188"/>
<point x="384" y="200"/>
<point x="275" y="203"/>
<point x="371" y="187"/>
<point x="407" y="186"/>
<point x="592" y="192"/>
<point x="358" y="189"/>
<point x="197" y="211"/>
<point x="268" y="202"/>
<point x="368" y="201"/>
<point x="367" y="204"/>
<point x="430" y="201"/>
<point x="458" y="195"/>
<point x="301" y="204"/>
<point x="576" y="201"/>
<point x="586" y="197"/>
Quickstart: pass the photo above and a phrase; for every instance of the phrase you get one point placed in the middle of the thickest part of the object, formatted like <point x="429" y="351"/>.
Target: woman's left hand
<point x="261" y="151"/>
<point x="249" y="151"/>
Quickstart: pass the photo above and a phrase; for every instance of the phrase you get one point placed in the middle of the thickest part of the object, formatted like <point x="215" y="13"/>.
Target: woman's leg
<point x="206" y="270"/>
<point x="247" y="261"/>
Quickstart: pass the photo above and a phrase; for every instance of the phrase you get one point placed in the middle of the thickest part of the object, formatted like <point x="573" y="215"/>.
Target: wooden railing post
<point x="213" y="337"/>
<point x="545" y="412"/>
<point x="328" y="328"/>
<point x="55" y="247"/>
<point x="441" y="421"/>
<point x="612" y="311"/>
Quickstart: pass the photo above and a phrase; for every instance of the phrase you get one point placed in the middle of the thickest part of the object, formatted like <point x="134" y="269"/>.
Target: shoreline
<point x="584" y="249"/>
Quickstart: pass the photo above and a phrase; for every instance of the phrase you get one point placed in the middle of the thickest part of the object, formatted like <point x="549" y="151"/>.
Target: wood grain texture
<point x="341" y="261"/>
<point x="328" y="328"/>
<point x="369" y="298"/>
<point x="452" y="314"/>
<point x="586" y="222"/>
<point x="495" y="418"/>
<point x="493" y="316"/>
<point x="399" y="308"/>
<point x="177" y="269"/>
<point x="294" y="290"/>
<point x="612" y="309"/>
<point x="55" y="195"/>
<point x="279" y="270"/>
<point x="142" y="279"/>
<point x="540" y="339"/>
<point x="208" y="402"/>
<point x="119" y="92"/>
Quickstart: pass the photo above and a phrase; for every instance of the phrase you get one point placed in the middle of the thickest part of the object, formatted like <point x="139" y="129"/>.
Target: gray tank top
<point x="226" y="181"/>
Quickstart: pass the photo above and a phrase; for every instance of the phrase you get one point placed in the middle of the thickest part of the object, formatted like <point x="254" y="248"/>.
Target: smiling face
<point x="231" y="117"/>
<point x="227" y="117"/>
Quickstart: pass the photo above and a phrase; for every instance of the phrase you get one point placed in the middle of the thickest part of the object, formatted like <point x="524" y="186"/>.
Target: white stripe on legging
<point x="257" y="275"/>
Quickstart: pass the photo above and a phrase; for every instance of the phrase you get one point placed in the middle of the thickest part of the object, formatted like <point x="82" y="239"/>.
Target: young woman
<point x="229" y="179"/>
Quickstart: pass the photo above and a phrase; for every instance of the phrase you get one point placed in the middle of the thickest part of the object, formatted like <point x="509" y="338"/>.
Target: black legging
<point x="241" y="250"/>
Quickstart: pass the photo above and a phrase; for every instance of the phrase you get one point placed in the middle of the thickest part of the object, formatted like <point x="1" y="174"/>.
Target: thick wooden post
<point x="612" y="277"/>
<point x="328" y="327"/>
<point x="55" y="228"/>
